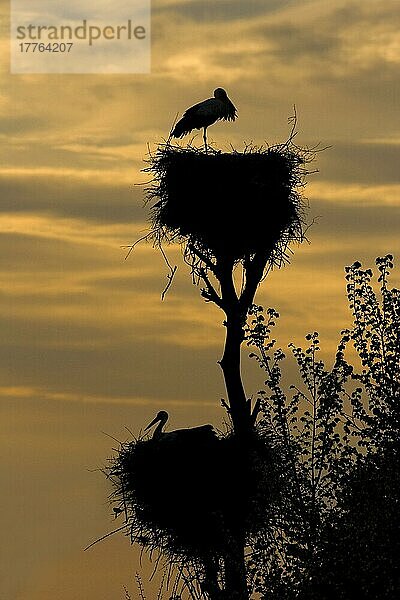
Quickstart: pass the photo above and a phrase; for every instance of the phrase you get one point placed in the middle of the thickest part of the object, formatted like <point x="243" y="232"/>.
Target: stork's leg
<point x="205" y="139"/>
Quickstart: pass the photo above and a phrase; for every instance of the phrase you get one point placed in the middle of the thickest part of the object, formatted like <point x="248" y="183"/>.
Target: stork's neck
<point x="159" y="429"/>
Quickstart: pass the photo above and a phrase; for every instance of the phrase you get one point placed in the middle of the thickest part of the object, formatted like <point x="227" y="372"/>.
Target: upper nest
<point x="187" y="499"/>
<point x="228" y="203"/>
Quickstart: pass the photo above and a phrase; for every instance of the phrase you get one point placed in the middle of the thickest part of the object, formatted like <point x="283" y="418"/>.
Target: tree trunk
<point x="234" y="562"/>
<point x="210" y="583"/>
<point x="236" y="309"/>
<point x="235" y="570"/>
<point x="230" y="365"/>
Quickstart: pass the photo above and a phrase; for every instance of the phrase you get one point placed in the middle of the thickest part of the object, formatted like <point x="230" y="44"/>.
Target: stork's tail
<point x="181" y="129"/>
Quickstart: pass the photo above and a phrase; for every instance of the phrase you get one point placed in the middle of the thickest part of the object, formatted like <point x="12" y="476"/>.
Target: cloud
<point x="10" y="125"/>
<point x="359" y="195"/>
<point x="33" y="393"/>
<point x="344" y="37"/>
<point x="91" y="195"/>
<point x="72" y="231"/>
<point x="204" y="11"/>
<point x="364" y="162"/>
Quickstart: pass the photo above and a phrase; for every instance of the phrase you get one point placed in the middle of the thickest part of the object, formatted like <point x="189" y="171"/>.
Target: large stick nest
<point x="229" y="204"/>
<point x="186" y="499"/>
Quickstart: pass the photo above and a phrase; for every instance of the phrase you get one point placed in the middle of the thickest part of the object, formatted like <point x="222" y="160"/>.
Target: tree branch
<point x="254" y="272"/>
<point x="203" y="257"/>
<point x="224" y="273"/>
<point x="210" y="293"/>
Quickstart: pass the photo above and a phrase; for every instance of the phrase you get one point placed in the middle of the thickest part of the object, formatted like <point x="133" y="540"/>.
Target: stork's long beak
<point x="154" y="421"/>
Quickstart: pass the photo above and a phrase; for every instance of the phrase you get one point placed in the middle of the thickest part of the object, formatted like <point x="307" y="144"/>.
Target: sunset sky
<point x="87" y="346"/>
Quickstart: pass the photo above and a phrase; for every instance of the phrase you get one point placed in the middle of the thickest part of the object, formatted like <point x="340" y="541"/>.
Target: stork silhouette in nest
<point x="203" y="433"/>
<point x="204" y="114"/>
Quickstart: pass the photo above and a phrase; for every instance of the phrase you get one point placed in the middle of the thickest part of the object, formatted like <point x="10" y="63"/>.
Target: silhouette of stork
<point x="204" y="114"/>
<point x="203" y="433"/>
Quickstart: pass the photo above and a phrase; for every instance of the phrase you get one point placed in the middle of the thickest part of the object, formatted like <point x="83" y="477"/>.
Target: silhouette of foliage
<point x="335" y="532"/>
<point x="361" y="540"/>
<point x="360" y="544"/>
<point x="303" y="424"/>
<point x="376" y="338"/>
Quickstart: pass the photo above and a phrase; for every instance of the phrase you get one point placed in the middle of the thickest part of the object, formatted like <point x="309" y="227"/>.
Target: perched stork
<point x="204" y="114"/>
<point x="202" y="433"/>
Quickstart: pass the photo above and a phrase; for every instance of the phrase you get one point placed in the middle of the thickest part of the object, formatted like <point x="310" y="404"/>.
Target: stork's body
<point x="202" y="433"/>
<point x="204" y="114"/>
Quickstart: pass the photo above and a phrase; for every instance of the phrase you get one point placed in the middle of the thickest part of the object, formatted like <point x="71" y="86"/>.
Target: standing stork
<point x="204" y="114"/>
<point x="202" y="433"/>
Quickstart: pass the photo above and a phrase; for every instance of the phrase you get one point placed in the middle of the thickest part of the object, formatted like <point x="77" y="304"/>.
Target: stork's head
<point x="220" y="94"/>
<point x="162" y="418"/>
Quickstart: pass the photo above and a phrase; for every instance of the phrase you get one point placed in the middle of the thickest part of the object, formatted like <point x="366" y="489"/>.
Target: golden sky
<point x="87" y="346"/>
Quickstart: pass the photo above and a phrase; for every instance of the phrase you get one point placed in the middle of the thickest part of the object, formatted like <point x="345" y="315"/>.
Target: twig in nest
<point x="170" y="275"/>
<point x="140" y="586"/>
<point x="172" y="128"/>
<point x="103" y="537"/>
<point x="127" y="594"/>
<point x="132" y="246"/>
<point x="160" y="591"/>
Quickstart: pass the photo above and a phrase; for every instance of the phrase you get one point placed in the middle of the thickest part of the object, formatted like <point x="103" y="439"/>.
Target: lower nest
<point x="192" y="500"/>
